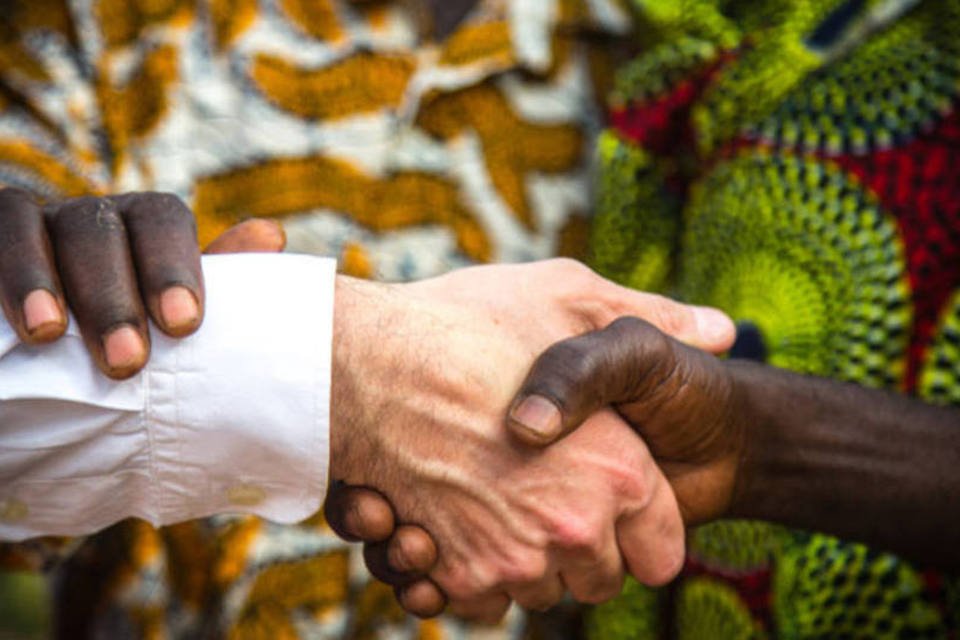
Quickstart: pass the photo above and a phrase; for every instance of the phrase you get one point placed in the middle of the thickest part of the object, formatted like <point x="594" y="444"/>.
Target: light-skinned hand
<point x="423" y="376"/>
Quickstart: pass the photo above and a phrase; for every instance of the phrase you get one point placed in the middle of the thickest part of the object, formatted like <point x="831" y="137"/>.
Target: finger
<point x="358" y="513"/>
<point x="405" y="558"/>
<point x="251" y="236"/>
<point x="596" y="576"/>
<point x="421" y="598"/>
<point x="411" y="550"/>
<point x="489" y="609"/>
<point x="575" y="377"/>
<point x="652" y="539"/>
<point x="93" y="259"/>
<point x="701" y="327"/>
<point x="163" y="240"/>
<point x="540" y="595"/>
<point x="29" y="287"/>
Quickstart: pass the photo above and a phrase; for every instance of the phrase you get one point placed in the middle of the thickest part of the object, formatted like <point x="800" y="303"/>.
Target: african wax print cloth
<point x="374" y="140"/>
<point x="797" y="164"/>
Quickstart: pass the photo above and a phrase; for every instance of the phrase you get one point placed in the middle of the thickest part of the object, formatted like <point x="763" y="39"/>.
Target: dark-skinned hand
<point x="400" y="557"/>
<point x="736" y="438"/>
<point x="116" y="259"/>
<point x="681" y="400"/>
<point x="98" y="255"/>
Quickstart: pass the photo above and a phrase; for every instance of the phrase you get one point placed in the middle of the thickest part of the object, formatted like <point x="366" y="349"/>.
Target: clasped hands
<point x="483" y="494"/>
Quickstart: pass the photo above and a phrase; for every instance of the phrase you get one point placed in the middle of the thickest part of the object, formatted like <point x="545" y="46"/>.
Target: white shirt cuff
<point x="232" y="419"/>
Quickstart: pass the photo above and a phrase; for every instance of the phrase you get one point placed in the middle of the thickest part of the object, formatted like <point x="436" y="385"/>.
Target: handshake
<point x="510" y="432"/>
<point x="498" y="495"/>
<point x="526" y="494"/>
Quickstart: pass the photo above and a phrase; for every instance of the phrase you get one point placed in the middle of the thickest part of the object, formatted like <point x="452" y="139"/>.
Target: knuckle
<point x="157" y="208"/>
<point x="86" y="214"/>
<point x="628" y="483"/>
<point x="659" y="346"/>
<point x="530" y="569"/>
<point x="410" y="550"/>
<point x="72" y="206"/>
<point x="637" y="335"/>
<point x="578" y="534"/>
<point x="575" y="274"/>
<point x="561" y="365"/>
<point x="460" y="583"/>
<point x="424" y="552"/>
<point x="629" y="327"/>
<point x="167" y="199"/>
<point x="593" y="357"/>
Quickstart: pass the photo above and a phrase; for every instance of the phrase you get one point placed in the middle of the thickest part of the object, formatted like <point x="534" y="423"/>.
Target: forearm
<point x="858" y="463"/>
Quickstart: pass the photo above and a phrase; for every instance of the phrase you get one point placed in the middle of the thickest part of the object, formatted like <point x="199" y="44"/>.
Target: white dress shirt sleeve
<point x="232" y="419"/>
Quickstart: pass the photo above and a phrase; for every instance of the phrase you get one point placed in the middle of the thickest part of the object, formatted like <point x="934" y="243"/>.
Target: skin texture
<point x="161" y="245"/>
<point x="561" y="535"/>
<point x="27" y="267"/>
<point x="684" y="401"/>
<point x="684" y="398"/>
<point x="117" y="260"/>
<point x="859" y="463"/>
<point x="741" y="439"/>
<point x="98" y="254"/>
<point x="516" y="523"/>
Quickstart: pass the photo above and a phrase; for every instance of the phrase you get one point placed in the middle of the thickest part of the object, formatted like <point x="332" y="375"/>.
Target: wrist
<point x="342" y="385"/>
<point x="756" y="400"/>
<point x="362" y="312"/>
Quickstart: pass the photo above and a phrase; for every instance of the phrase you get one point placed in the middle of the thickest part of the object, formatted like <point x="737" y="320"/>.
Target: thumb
<point x="576" y="377"/>
<point x="251" y="236"/>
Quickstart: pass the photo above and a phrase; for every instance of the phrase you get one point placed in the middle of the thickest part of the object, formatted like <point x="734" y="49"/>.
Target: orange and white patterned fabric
<point x="401" y="154"/>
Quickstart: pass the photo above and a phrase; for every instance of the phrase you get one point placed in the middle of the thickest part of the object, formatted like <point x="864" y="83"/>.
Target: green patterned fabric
<point x="826" y="588"/>
<point x="940" y="381"/>
<point x="796" y="164"/>
<point x="710" y="609"/>
<point x="799" y="250"/>
<point x="633" y="615"/>
<point x="737" y="545"/>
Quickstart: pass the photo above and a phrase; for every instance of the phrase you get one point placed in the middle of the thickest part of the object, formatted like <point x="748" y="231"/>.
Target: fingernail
<point x="713" y="325"/>
<point x="178" y="309"/>
<point x="42" y="315"/>
<point x="123" y="349"/>
<point x="539" y="416"/>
